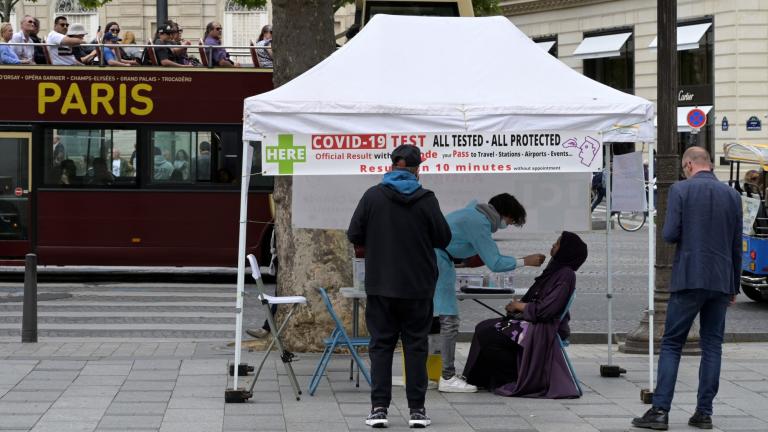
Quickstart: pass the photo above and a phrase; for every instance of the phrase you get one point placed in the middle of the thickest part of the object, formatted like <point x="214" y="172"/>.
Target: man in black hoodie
<point x="399" y="224"/>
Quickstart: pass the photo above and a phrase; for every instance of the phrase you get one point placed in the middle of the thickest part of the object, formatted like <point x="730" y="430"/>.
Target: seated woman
<point x="519" y="355"/>
<point x="753" y="183"/>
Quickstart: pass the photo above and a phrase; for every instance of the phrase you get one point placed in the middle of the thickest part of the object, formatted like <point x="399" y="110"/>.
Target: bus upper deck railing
<point x="237" y="51"/>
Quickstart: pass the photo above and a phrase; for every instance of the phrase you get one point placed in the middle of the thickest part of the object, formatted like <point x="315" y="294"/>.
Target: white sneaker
<point x="455" y="385"/>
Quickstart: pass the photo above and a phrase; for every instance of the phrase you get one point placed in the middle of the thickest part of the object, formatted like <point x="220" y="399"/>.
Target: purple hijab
<point x="572" y="254"/>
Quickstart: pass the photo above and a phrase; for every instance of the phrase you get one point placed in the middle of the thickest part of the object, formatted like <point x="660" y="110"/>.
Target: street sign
<point x="754" y="124"/>
<point x="696" y="118"/>
<point x="18" y="192"/>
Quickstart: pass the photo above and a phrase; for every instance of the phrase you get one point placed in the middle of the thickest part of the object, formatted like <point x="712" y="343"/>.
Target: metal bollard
<point x="29" y="314"/>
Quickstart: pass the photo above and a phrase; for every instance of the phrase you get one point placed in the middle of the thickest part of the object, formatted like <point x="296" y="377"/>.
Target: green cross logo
<point x="285" y="154"/>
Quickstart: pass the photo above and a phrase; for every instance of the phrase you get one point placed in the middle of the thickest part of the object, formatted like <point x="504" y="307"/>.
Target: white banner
<point x="553" y="202"/>
<point x="442" y="153"/>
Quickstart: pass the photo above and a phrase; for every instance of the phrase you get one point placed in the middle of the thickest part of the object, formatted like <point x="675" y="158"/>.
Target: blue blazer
<point x="704" y="221"/>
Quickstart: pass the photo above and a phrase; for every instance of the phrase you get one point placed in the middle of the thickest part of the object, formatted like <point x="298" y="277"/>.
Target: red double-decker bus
<point x="127" y="166"/>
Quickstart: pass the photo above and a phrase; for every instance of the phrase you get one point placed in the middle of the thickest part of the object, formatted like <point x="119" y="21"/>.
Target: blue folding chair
<point x="338" y="338"/>
<point x="565" y="343"/>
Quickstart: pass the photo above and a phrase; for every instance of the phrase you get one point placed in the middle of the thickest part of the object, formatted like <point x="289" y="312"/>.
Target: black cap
<point x="165" y="29"/>
<point x="409" y="153"/>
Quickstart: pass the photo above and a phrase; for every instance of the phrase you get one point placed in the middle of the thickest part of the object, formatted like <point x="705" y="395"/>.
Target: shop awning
<point x="688" y="37"/>
<point x="601" y="46"/>
<point x="546" y="45"/>
<point x="682" y="113"/>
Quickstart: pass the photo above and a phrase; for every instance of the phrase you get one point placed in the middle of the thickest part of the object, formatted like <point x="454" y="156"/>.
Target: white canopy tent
<point x="435" y="74"/>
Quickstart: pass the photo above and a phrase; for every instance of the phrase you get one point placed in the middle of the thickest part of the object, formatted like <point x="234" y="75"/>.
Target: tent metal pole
<point x="608" y="261"/>
<point x="651" y="260"/>
<point x="610" y="370"/>
<point x="236" y="394"/>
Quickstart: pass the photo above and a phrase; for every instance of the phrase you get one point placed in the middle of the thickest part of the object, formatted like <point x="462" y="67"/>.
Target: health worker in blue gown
<point x="471" y="238"/>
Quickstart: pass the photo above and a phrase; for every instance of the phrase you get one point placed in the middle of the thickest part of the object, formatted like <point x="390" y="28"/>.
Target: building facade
<point x="722" y="57"/>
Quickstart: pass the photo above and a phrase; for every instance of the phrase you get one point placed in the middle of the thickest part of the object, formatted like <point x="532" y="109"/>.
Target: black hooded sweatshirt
<point x="399" y="233"/>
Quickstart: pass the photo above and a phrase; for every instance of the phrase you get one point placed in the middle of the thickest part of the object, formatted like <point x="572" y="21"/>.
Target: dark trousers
<point x="492" y="359"/>
<point x="682" y="309"/>
<point x="388" y="320"/>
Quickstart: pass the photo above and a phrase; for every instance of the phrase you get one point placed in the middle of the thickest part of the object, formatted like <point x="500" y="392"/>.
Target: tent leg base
<point x="611" y="371"/>
<point x="646" y="396"/>
<point x="242" y="369"/>
<point x="237" y="396"/>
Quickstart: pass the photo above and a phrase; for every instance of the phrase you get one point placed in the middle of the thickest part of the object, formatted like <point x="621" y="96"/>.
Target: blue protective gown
<point x="470" y="235"/>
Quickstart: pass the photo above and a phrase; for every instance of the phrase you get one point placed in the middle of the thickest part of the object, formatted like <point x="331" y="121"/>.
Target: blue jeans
<point x="681" y="311"/>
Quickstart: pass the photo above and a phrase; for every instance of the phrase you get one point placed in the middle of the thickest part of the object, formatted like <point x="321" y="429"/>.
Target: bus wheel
<point x="753" y="293"/>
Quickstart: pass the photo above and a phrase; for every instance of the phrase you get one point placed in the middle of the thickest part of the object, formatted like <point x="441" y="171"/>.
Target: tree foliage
<point x="486" y="7"/>
<point x="92" y="4"/>
<point x="6" y="7"/>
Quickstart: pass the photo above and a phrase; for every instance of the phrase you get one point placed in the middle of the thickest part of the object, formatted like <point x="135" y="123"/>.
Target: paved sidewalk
<point x="179" y="386"/>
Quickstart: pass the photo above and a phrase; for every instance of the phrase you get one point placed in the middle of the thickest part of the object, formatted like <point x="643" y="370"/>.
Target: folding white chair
<point x="268" y="300"/>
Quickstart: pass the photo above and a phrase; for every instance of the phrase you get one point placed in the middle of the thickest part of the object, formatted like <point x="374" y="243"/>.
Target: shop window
<point x="695" y="79"/>
<point x="609" y="58"/>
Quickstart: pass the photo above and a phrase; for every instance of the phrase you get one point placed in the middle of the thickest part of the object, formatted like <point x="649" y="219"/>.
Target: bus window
<point x="196" y="157"/>
<point x="228" y="163"/>
<point x="90" y="157"/>
<point x="203" y="158"/>
<point x="171" y="157"/>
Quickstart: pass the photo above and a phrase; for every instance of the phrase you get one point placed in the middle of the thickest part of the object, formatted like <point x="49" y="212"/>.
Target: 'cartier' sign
<point x="684" y="96"/>
<point x="694" y="95"/>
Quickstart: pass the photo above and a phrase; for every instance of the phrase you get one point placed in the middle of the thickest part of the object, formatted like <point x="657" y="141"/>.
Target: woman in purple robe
<point x="520" y="355"/>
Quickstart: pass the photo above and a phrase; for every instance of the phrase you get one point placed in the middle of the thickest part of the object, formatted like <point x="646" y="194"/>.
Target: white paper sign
<point x="553" y="202"/>
<point x="454" y="153"/>
<point x="628" y="183"/>
<point x="749" y="209"/>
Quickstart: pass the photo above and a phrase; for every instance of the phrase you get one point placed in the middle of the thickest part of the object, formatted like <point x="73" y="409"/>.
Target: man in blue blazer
<point x="704" y="222"/>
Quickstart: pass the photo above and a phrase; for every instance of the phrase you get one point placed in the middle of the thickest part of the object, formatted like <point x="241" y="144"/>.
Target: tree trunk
<point x="7" y="7"/>
<point x="307" y="259"/>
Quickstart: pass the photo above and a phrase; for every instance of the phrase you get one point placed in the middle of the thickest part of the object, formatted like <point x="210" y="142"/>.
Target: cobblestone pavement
<point x="179" y="386"/>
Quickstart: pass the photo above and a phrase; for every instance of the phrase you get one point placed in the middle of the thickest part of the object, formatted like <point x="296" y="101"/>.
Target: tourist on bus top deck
<point x="131" y="51"/>
<point x="65" y="38"/>
<point x="265" y="40"/>
<point x="25" y="53"/>
<point x="165" y="56"/>
<point x="219" y="56"/>
<point x="181" y="51"/>
<point x="7" y="55"/>
<point x="111" y="54"/>
<point x="39" y="54"/>
<point x="121" y="58"/>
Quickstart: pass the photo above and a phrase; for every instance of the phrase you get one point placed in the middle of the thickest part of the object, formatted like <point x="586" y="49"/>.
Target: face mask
<point x="503" y="223"/>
